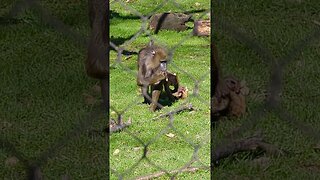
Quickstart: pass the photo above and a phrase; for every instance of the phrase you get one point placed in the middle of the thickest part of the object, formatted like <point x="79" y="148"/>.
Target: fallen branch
<point x="248" y="144"/>
<point x="158" y="174"/>
<point x="187" y="107"/>
<point x="120" y="125"/>
<point x="113" y="127"/>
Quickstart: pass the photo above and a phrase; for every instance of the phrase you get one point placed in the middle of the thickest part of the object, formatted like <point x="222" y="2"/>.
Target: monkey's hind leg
<point x="145" y="92"/>
<point x="155" y="98"/>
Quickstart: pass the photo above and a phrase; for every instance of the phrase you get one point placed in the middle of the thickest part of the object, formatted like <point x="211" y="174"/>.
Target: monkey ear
<point x="151" y="42"/>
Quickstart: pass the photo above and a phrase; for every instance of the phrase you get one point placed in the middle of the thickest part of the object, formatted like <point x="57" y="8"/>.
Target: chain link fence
<point x="147" y="145"/>
<point x="57" y="142"/>
<point x="280" y="122"/>
<point x="158" y="144"/>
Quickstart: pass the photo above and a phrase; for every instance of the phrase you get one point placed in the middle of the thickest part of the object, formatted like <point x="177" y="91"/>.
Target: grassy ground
<point x="279" y="26"/>
<point x="191" y="62"/>
<point x="42" y="82"/>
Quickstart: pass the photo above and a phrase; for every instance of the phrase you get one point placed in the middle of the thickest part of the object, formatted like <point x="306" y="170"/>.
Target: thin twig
<point x="158" y="174"/>
<point x="120" y="125"/>
<point x="248" y="144"/>
<point x="187" y="107"/>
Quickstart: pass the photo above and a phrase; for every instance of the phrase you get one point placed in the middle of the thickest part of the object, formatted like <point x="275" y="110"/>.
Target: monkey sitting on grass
<point x="154" y="78"/>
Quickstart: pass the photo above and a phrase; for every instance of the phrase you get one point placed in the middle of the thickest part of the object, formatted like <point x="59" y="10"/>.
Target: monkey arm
<point x="156" y="91"/>
<point x="155" y="98"/>
<point x="153" y="79"/>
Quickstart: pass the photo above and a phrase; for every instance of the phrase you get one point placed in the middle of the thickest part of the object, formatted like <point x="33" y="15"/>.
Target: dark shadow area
<point x="114" y="14"/>
<point x="163" y="100"/>
<point x="160" y="22"/>
<point x="120" y="40"/>
<point x="195" y="11"/>
<point x="4" y="21"/>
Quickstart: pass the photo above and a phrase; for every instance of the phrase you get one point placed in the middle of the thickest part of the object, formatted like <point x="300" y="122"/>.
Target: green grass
<point x="278" y="26"/>
<point x="42" y="82"/>
<point x="190" y="128"/>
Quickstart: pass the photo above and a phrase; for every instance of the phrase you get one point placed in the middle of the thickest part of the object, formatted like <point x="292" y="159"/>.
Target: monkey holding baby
<point x="154" y="78"/>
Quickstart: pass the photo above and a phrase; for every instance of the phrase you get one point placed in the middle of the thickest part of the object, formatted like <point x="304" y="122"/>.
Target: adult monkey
<point x="229" y="93"/>
<point x="97" y="61"/>
<point x="98" y="50"/>
<point x="153" y="76"/>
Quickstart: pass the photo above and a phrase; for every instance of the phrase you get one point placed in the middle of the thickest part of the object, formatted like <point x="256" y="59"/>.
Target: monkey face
<point x="155" y="60"/>
<point x="162" y="56"/>
<point x="152" y="65"/>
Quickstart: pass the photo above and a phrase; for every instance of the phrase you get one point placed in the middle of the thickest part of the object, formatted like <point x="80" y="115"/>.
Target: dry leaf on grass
<point x="137" y="148"/>
<point x="116" y="152"/>
<point x="170" y="135"/>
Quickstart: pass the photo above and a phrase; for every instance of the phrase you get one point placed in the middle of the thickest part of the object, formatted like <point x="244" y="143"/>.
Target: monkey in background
<point x="98" y="49"/>
<point x="229" y="93"/>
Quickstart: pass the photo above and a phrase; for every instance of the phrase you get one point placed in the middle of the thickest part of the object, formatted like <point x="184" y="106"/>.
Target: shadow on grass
<point x="5" y="21"/>
<point x="164" y="100"/>
<point x="119" y="41"/>
<point x="114" y="14"/>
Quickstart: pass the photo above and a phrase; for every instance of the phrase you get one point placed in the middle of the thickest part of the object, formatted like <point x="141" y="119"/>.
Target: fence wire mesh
<point x="282" y="112"/>
<point x="45" y="126"/>
<point x="153" y="146"/>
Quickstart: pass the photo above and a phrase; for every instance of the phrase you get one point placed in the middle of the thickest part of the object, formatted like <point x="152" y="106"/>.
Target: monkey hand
<point x="182" y="93"/>
<point x="162" y="75"/>
<point x="157" y="77"/>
